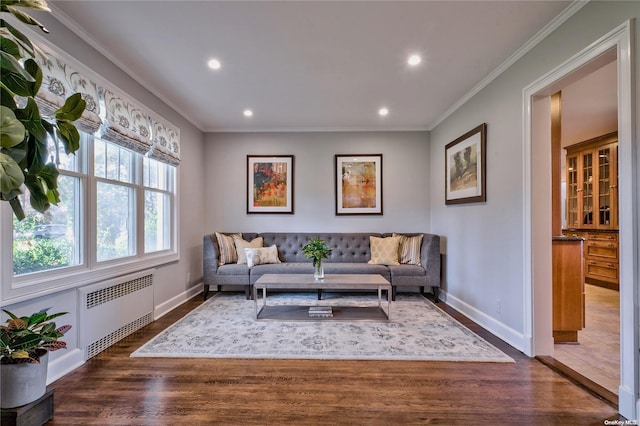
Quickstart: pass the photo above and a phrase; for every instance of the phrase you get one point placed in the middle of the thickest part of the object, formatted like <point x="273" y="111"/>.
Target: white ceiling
<point x="308" y="65"/>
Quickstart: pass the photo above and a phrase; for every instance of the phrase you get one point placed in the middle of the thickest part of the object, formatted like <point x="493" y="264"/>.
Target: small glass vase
<point x="318" y="272"/>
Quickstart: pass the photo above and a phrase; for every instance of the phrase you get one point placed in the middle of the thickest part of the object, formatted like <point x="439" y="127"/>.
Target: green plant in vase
<point x="317" y="250"/>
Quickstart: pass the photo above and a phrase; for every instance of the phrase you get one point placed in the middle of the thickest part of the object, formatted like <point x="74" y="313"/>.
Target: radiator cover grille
<point x="108" y="294"/>
<point x="114" y="309"/>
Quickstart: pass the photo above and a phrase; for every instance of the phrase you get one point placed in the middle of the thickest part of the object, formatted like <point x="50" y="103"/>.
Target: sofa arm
<point x="430" y="258"/>
<point x="210" y="256"/>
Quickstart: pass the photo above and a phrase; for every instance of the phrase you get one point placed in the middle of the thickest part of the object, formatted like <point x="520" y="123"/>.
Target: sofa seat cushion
<point x="355" y="268"/>
<point x="233" y="269"/>
<point x="407" y="270"/>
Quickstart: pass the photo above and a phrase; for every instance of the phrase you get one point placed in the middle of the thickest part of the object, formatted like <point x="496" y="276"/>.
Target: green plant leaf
<point x="72" y="109"/>
<point x="30" y="4"/>
<point x="14" y="77"/>
<point x="30" y="117"/>
<point x="26" y="18"/>
<point x="6" y="98"/>
<point x="16" y="206"/>
<point x="28" y="342"/>
<point x="34" y="71"/>
<point x="38" y="199"/>
<point x="11" y="47"/>
<point x="69" y="136"/>
<point x="12" y="131"/>
<point x="11" y="177"/>
<point x="20" y="38"/>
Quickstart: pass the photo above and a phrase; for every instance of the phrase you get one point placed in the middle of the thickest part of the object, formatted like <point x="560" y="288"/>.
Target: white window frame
<point x="29" y="286"/>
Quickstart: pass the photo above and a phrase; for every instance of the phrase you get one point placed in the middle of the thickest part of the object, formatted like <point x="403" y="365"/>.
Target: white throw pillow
<point x="261" y="256"/>
<point x="243" y="244"/>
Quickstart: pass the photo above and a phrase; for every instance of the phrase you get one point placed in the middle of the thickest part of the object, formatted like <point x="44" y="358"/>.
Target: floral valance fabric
<point x="166" y="142"/>
<point x="116" y="117"/>
<point x="59" y="81"/>
<point x="126" y="123"/>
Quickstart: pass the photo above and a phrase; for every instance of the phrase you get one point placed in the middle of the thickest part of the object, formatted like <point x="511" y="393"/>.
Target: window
<point x="119" y="208"/>
<point x="42" y="242"/>
<point x="158" y="188"/>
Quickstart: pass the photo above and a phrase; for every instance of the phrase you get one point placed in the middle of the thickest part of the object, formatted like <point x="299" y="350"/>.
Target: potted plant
<point x="24" y="133"/>
<point x="317" y="250"/>
<point x="24" y="346"/>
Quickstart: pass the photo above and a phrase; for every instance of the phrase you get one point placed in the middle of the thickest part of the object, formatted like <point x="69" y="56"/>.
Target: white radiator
<point x="113" y="309"/>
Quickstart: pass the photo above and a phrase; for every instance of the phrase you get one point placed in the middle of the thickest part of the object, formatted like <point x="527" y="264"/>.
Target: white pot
<point x="21" y="384"/>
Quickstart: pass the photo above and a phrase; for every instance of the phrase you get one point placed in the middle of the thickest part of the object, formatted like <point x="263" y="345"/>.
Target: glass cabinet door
<point x="587" y="190"/>
<point x="572" y="192"/>
<point x="604" y="187"/>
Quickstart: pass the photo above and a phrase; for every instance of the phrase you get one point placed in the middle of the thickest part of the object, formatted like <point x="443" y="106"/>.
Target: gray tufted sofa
<point x="350" y="254"/>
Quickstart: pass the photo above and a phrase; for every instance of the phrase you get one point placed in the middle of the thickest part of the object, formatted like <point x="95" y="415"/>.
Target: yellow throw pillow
<point x="384" y="251"/>
<point x="243" y="244"/>
<point x="227" y="247"/>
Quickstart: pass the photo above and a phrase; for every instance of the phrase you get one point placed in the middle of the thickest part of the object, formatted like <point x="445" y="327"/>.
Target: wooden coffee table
<point x="330" y="282"/>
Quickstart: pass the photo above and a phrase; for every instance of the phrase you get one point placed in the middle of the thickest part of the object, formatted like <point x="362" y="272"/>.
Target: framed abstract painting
<point x="465" y="167"/>
<point x="270" y="184"/>
<point x="358" y="179"/>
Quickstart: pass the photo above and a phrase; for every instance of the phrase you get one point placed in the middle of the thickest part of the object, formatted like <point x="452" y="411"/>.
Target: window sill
<point x="45" y="284"/>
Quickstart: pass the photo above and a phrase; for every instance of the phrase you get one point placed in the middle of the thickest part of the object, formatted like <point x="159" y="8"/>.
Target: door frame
<point x="537" y="251"/>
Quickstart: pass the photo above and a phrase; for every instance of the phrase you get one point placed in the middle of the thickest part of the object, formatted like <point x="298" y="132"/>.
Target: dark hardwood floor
<point x="114" y="389"/>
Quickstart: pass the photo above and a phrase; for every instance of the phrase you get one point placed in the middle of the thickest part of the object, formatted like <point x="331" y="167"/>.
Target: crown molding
<point x="567" y="13"/>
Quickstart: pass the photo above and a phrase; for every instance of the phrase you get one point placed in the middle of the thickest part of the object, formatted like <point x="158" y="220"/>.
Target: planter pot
<point x="21" y="384"/>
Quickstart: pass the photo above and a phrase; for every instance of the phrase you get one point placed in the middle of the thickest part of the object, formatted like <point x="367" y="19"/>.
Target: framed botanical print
<point x="270" y="184"/>
<point x="465" y="167"/>
<point x="358" y="179"/>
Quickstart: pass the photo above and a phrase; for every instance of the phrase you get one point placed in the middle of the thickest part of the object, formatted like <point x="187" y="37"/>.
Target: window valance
<point x="166" y="141"/>
<point x="59" y="81"/>
<point x="125" y="123"/>
<point x="110" y="113"/>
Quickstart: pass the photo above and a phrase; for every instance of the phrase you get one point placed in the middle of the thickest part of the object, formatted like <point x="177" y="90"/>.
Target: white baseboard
<point x="495" y="327"/>
<point x="628" y="404"/>
<point x="65" y="364"/>
<point x="164" y="308"/>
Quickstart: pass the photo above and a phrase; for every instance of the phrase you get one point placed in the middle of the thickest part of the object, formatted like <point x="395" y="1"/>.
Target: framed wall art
<point x="270" y="184"/>
<point x="358" y="180"/>
<point x="465" y="167"/>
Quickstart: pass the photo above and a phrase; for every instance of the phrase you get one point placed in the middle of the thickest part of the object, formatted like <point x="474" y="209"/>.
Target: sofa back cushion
<point x="346" y="247"/>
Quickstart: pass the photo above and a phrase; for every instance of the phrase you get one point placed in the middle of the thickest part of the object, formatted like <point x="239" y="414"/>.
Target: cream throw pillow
<point x="243" y="244"/>
<point x="261" y="256"/>
<point x="409" y="251"/>
<point x="384" y="251"/>
<point x="227" y="248"/>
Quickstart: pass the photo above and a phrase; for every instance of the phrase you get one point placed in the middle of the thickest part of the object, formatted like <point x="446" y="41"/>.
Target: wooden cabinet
<point x="568" y="289"/>
<point x="592" y="206"/>
<point x="601" y="257"/>
<point x="592" y="183"/>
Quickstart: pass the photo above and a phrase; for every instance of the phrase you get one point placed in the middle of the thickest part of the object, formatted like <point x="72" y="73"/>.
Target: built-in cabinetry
<point x="568" y="289"/>
<point x="592" y="206"/>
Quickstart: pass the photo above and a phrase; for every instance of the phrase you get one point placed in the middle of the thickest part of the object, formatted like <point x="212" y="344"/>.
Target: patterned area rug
<point x="224" y="327"/>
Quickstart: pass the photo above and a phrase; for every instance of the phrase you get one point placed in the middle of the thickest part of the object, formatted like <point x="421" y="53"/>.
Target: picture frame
<point x="270" y="184"/>
<point x="358" y="182"/>
<point x="465" y="167"/>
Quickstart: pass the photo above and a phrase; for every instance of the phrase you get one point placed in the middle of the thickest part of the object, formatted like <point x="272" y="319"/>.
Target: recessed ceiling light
<point x="414" y="60"/>
<point x="383" y="112"/>
<point x="248" y="113"/>
<point x="214" y="64"/>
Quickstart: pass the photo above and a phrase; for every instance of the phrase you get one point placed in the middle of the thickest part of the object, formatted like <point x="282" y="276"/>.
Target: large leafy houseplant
<point x="24" y="133"/>
<point x="25" y="339"/>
